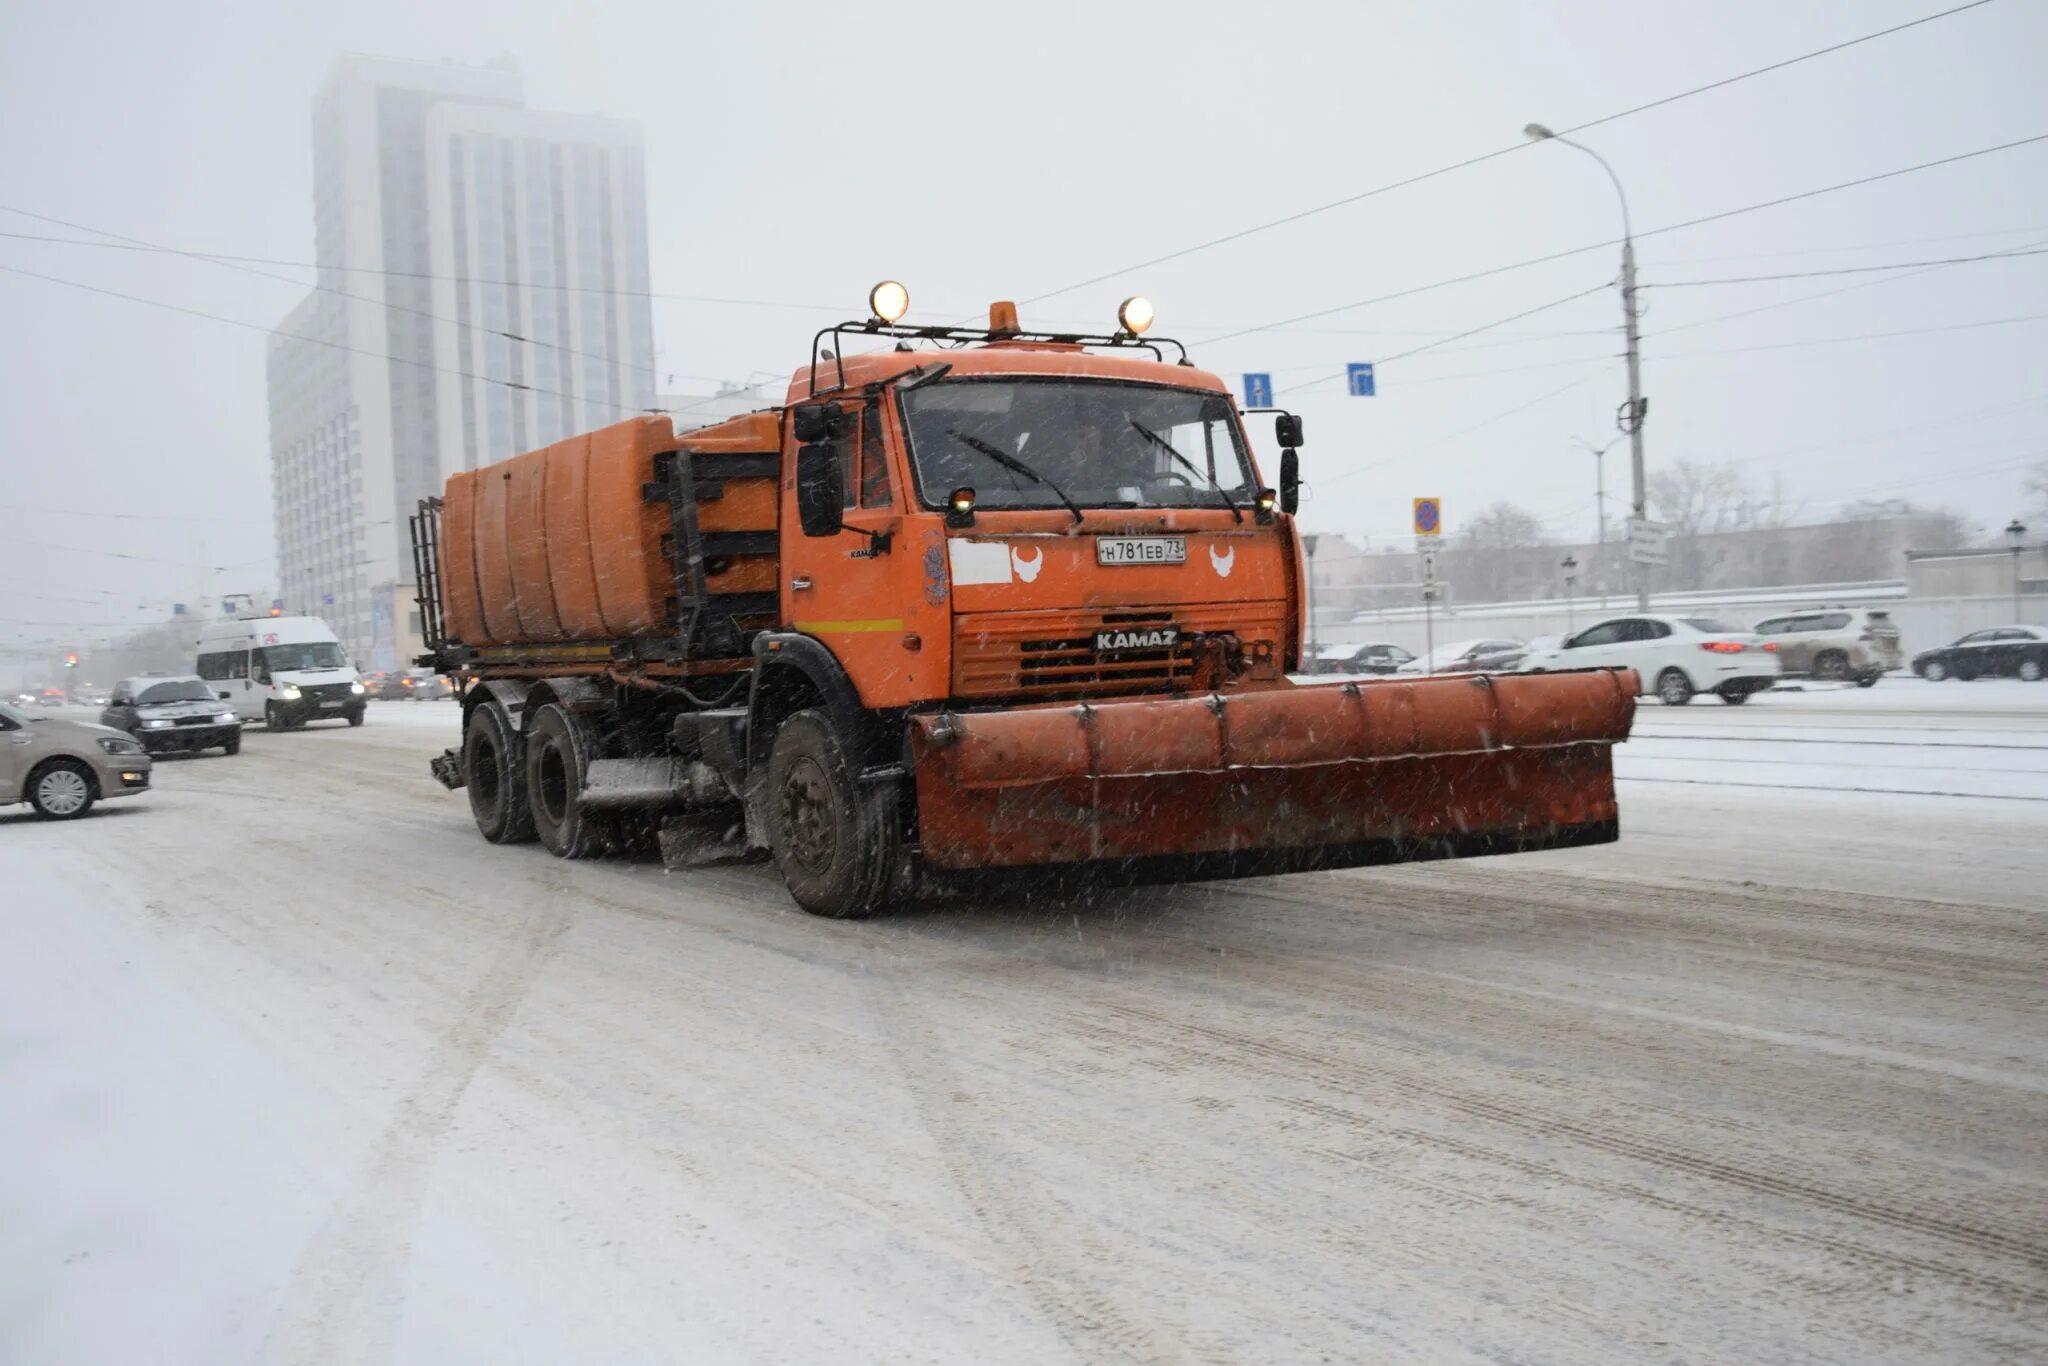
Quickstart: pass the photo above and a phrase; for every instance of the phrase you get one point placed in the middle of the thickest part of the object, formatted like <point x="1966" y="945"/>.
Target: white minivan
<point x="283" y="671"/>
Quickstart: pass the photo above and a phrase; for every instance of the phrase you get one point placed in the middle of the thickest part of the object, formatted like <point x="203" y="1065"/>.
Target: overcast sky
<point x="798" y="152"/>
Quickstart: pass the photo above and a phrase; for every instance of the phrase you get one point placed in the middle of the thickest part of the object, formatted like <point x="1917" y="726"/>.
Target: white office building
<point x="483" y="290"/>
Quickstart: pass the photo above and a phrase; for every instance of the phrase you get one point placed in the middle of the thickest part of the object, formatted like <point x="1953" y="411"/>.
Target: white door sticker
<point x="979" y="562"/>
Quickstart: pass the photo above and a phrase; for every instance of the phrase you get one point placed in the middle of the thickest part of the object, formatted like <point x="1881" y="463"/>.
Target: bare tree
<point x="2037" y="489"/>
<point x="1502" y="553"/>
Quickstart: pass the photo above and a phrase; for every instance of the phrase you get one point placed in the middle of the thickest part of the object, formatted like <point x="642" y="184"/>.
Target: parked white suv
<point x="1675" y="657"/>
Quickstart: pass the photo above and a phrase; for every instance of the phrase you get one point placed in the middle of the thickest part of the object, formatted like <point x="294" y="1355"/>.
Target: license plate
<point x="1136" y="638"/>
<point x="1141" y="550"/>
<point x="329" y="705"/>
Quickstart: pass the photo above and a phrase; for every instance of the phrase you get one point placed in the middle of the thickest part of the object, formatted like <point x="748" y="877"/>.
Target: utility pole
<point x="1631" y="414"/>
<point x="2016" y="532"/>
<point x="1638" y="406"/>
<point x="1571" y="576"/>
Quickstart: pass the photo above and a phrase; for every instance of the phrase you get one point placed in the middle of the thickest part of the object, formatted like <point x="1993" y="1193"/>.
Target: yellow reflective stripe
<point x="873" y="624"/>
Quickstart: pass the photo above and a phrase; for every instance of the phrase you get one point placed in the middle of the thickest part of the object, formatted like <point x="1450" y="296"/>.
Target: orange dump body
<point x="1296" y="776"/>
<point x="563" y="543"/>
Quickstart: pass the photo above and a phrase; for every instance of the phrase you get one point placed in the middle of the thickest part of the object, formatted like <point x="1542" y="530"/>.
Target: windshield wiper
<point x="906" y="380"/>
<point x="1163" y="444"/>
<point x="1016" y="466"/>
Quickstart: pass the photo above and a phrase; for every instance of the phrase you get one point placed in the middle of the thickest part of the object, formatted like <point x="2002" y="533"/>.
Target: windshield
<point x="312" y="654"/>
<point x="177" y="690"/>
<point x="15" y="714"/>
<point x="1103" y="443"/>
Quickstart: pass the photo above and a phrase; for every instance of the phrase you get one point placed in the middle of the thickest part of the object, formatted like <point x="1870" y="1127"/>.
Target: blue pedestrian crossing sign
<point x="1258" y="391"/>
<point x="1358" y="379"/>
<point x="1429" y="516"/>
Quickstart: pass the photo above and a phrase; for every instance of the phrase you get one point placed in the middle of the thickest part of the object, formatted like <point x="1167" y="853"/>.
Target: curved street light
<point x="1638" y="407"/>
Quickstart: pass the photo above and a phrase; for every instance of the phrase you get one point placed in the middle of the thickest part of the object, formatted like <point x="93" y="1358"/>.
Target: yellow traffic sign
<point x="1429" y="516"/>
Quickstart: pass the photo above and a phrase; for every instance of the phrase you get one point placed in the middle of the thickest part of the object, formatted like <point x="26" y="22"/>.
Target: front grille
<point x="1053" y="654"/>
<point x="195" y="721"/>
<point x="324" y="692"/>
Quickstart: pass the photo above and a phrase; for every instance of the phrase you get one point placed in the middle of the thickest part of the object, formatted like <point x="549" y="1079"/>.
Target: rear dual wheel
<point x="494" y="775"/>
<point x="559" y="747"/>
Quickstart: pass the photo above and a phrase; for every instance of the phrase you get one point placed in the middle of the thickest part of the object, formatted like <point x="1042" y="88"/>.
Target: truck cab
<point x="1031" y="521"/>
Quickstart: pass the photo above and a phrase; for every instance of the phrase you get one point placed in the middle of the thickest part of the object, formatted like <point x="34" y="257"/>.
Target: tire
<point x="1934" y="671"/>
<point x="355" y="718"/>
<point x="1831" y="665"/>
<point x="494" y="775"/>
<point x="233" y="746"/>
<point x="1674" y="689"/>
<point x="1734" y="697"/>
<point x="559" y="748"/>
<point x="837" y="843"/>
<point x="2030" y="670"/>
<point x="61" y="790"/>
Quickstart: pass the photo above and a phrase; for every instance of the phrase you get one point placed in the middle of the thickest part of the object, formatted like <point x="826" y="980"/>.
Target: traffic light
<point x="71" y="660"/>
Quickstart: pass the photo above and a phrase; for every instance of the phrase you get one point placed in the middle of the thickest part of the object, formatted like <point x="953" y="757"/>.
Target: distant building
<point x="483" y="289"/>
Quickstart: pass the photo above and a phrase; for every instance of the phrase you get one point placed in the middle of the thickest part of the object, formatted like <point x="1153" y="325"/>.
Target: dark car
<point x="1994" y="652"/>
<point x="1358" y="657"/>
<point x="173" y="712"/>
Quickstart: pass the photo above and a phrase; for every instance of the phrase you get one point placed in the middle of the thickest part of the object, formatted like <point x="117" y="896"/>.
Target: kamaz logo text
<point x="1158" y="638"/>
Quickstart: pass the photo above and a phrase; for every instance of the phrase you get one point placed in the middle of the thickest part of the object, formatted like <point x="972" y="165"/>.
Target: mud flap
<point x="447" y="769"/>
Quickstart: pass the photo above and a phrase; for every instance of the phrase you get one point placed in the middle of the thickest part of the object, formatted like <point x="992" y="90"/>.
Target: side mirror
<point x="815" y="423"/>
<point x="1287" y="429"/>
<point x="1290" y="479"/>
<point x="223" y="697"/>
<point x="820" y="491"/>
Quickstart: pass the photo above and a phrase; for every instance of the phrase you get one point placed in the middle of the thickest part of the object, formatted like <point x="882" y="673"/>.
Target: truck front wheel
<point x="559" y="747"/>
<point x="494" y="771"/>
<point x="836" y="841"/>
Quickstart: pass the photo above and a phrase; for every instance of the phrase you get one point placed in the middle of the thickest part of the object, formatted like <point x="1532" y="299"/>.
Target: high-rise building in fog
<point x="482" y="291"/>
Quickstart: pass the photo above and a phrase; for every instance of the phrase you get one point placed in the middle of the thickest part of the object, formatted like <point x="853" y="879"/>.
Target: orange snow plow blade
<point x="1279" y="779"/>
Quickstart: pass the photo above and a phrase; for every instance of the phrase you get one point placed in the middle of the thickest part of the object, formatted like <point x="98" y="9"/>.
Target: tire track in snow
<point x="347" y="1291"/>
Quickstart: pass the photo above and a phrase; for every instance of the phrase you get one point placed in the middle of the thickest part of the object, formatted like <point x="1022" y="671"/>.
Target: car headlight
<point x="357" y="688"/>
<point x="155" y="723"/>
<point x="289" y="693"/>
<point x="226" y="718"/>
<point x="114" y="744"/>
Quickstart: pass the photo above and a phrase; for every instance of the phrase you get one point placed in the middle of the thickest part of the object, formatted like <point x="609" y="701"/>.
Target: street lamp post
<point x="2016" y="531"/>
<point x="1308" y="550"/>
<point x="1599" y="510"/>
<point x="1633" y="412"/>
<point x="1571" y="576"/>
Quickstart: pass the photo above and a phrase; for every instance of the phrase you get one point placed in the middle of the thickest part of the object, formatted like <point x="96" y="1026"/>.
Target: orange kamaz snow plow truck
<point x="983" y="599"/>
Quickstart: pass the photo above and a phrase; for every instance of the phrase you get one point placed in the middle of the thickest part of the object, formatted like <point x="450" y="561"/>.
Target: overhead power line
<point x="132" y="245"/>
<point x="1517" y="146"/>
<point x="1459" y="336"/>
<point x="297" y="337"/>
<point x="121" y="239"/>
<point x="1848" y="270"/>
<point x="1615" y="241"/>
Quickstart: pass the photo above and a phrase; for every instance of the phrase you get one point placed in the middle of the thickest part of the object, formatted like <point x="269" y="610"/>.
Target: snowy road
<point x="295" y="1068"/>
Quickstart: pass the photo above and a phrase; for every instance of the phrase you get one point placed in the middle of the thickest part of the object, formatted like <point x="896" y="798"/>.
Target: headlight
<point x="289" y="693"/>
<point x="1134" y="314"/>
<point x="357" y="688"/>
<point x="118" y="745"/>
<point x="155" y="723"/>
<point x="226" y="718"/>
